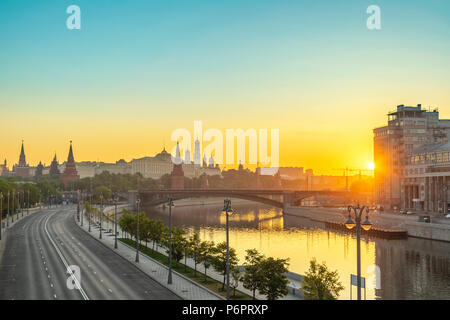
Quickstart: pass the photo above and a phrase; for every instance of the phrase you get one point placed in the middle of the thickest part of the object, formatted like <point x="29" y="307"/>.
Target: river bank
<point x="408" y="223"/>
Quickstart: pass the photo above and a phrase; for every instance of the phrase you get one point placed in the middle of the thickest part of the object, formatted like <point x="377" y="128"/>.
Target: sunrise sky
<point x="137" y="70"/>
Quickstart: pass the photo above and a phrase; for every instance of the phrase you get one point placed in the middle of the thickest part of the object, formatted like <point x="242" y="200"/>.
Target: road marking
<point x="77" y="283"/>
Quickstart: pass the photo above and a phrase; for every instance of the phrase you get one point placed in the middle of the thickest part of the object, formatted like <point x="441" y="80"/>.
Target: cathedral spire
<point x="22" y="159"/>
<point x="70" y="158"/>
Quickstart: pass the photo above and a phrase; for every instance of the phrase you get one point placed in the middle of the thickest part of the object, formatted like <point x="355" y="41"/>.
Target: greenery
<point x="266" y="275"/>
<point x="207" y="282"/>
<point x="321" y="284"/>
<point x="219" y="260"/>
<point x="253" y="275"/>
<point x="274" y="283"/>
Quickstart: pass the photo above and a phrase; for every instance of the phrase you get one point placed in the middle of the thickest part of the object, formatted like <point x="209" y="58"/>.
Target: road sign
<point x="354" y="282"/>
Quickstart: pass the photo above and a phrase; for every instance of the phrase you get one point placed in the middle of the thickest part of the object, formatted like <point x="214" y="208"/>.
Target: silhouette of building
<point x="22" y="169"/>
<point x="4" y="171"/>
<point x="39" y="170"/>
<point x="70" y="171"/>
<point x="54" y="170"/>
<point x="177" y="177"/>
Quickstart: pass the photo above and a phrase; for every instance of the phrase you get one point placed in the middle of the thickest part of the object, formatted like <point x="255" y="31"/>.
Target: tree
<point x="319" y="283"/>
<point x="253" y="274"/>
<point x="178" y="243"/>
<point x="205" y="254"/>
<point x="126" y="222"/>
<point x="194" y="245"/>
<point x="274" y="282"/>
<point x="235" y="277"/>
<point x="102" y="191"/>
<point x="156" y="232"/>
<point x="219" y="260"/>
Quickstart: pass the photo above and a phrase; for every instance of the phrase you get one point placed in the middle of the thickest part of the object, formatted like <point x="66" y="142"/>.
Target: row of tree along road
<point x="265" y="275"/>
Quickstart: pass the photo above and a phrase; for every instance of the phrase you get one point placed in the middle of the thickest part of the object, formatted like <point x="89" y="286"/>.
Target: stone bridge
<point x="276" y="198"/>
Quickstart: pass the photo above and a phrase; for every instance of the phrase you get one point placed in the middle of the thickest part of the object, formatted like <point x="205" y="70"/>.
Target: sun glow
<point x="371" y="166"/>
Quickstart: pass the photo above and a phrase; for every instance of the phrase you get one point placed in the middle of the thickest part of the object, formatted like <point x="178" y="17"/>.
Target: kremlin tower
<point x="177" y="175"/>
<point x="22" y="169"/>
<point x="70" y="172"/>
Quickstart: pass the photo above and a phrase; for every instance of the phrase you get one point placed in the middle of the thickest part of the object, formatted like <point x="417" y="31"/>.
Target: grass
<point x="210" y="283"/>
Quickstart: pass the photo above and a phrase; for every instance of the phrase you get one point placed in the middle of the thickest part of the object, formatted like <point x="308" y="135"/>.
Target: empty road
<point x="38" y="250"/>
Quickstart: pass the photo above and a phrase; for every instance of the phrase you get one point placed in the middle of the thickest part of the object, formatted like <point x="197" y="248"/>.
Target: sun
<point x="371" y="165"/>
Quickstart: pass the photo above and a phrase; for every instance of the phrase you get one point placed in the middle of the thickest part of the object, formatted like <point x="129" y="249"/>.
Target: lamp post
<point x="1" y="214"/>
<point x="366" y="225"/>
<point x="7" y="213"/>
<point x="78" y="205"/>
<point x="28" y="206"/>
<point x="13" y="205"/>
<point x="101" y="215"/>
<point x="138" y="201"/>
<point x="83" y="209"/>
<point x="227" y="210"/>
<point x="115" y="221"/>
<point x="170" y="204"/>
<point x="23" y="202"/>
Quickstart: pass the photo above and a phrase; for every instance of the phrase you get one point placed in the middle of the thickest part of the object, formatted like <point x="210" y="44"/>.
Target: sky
<point x="138" y="70"/>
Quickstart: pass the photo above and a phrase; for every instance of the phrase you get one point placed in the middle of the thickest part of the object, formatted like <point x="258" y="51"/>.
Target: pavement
<point x="38" y="249"/>
<point x="183" y="286"/>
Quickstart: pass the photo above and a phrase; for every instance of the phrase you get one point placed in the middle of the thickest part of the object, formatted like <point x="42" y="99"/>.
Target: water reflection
<point x="409" y="269"/>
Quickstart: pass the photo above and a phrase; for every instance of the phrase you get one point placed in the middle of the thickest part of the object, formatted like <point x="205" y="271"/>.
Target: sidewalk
<point x="162" y="271"/>
<point x="182" y="286"/>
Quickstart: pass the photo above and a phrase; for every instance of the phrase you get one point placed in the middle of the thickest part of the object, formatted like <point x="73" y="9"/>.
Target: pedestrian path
<point x="182" y="286"/>
<point x="162" y="271"/>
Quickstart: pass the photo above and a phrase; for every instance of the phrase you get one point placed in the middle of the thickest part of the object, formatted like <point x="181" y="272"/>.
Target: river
<point x="408" y="269"/>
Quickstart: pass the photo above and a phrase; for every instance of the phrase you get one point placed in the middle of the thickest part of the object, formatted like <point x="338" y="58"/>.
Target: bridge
<point x="276" y="198"/>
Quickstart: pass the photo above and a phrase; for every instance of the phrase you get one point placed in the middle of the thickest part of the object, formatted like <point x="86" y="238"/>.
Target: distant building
<point x="4" y="171"/>
<point x="39" y="170"/>
<point x="54" y="170"/>
<point x="161" y="164"/>
<point x="70" y="171"/>
<point x="409" y="130"/>
<point x="22" y="169"/>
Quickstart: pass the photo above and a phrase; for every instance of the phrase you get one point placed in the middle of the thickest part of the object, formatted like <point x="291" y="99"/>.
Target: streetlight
<point x="13" y="205"/>
<point x="23" y="202"/>
<point x="138" y="201"/>
<point x="28" y="206"/>
<point x="116" y="199"/>
<point x="170" y="204"/>
<point x="83" y="209"/>
<point x="227" y="210"/>
<point x="7" y="213"/>
<point x="366" y="225"/>
<point x="1" y="214"/>
<point x="101" y="215"/>
<point x="78" y="205"/>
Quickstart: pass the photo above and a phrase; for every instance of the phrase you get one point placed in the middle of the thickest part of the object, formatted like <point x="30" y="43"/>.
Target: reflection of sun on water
<point x="299" y="245"/>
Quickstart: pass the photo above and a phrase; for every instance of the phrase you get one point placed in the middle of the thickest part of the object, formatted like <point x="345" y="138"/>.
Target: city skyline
<point x="312" y="70"/>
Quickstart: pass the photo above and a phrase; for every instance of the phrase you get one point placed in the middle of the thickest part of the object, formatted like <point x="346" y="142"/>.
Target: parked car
<point x="402" y="211"/>
<point x="447" y="216"/>
<point x="409" y="212"/>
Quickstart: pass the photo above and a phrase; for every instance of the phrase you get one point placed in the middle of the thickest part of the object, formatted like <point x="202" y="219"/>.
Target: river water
<point x="394" y="269"/>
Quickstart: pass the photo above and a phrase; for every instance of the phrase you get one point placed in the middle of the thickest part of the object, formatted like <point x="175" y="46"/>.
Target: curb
<point x="179" y="274"/>
<point x="137" y="266"/>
